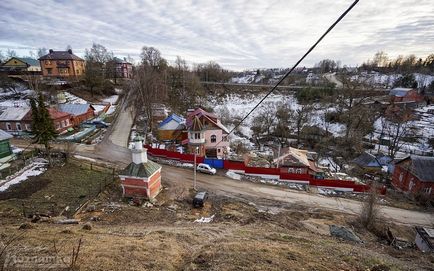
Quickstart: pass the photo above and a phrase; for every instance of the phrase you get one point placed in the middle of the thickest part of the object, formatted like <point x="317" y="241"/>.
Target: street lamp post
<point x="194" y="168"/>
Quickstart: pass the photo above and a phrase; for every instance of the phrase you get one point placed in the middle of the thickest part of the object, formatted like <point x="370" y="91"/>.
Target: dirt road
<point x="253" y="192"/>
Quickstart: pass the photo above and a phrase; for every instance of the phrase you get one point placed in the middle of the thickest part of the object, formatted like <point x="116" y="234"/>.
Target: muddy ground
<point x="245" y="234"/>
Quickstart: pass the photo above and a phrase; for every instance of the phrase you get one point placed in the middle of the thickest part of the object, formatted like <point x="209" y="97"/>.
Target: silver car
<point x="205" y="168"/>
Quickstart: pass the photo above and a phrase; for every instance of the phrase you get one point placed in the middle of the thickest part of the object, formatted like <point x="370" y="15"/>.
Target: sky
<point x="238" y="34"/>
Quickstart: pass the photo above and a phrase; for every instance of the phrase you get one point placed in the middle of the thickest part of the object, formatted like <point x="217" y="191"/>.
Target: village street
<point x="257" y="193"/>
<point x="113" y="149"/>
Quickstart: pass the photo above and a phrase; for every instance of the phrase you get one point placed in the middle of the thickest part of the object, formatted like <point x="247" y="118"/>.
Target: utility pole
<point x="194" y="168"/>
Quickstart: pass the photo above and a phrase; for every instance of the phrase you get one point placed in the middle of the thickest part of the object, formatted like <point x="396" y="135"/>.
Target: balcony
<point x="196" y="141"/>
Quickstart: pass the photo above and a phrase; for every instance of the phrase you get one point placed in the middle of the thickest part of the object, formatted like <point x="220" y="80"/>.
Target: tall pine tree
<point x="43" y="130"/>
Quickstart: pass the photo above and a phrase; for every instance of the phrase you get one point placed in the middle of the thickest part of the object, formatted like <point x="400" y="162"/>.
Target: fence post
<point x="24" y="209"/>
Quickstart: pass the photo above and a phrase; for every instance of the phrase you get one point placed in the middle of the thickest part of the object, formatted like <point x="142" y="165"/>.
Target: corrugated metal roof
<point x="4" y="135"/>
<point x="399" y="92"/>
<point x="14" y="113"/>
<point x="174" y="117"/>
<point x="74" y="109"/>
<point x="423" y="167"/>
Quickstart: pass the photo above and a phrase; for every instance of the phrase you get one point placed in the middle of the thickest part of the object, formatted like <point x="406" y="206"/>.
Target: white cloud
<point x="238" y="34"/>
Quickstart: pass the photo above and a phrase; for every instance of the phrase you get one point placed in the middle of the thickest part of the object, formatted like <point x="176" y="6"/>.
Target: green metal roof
<point x="144" y="170"/>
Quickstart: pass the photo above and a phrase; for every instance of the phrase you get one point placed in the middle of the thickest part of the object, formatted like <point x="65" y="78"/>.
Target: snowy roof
<point x="4" y="135"/>
<point x="75" y="109"/>
<point x="14" y="113"/>
<point x="174" y="117"/>
<point x="399" y="92"/>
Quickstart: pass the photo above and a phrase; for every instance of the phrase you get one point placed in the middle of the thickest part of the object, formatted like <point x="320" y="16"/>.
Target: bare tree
<point x="370" y="208"/>
<point x="152" y="57"/>
<point x="11" y="53"/>
<point x="42" y="52"/>
<point x="265" y="122"/>
<point x="398" y="127"/>
<point x="185" y="89"/>
<point x="2" y="57"/>
<point x="301" y="118"/>
<point x="147" y="88"/>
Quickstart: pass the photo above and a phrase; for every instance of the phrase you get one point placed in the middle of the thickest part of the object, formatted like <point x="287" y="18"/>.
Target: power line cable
<point x="295" y="66"/>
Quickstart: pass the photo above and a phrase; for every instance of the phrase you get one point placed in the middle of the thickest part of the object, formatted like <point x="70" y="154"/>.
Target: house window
<point x="290" y="170"/>
<point x="196" y="135"/>
<point x="47" y="62"/>
<point x="298" y="171"/>
<point x="213" y="138"/>
<point x="8" y="126"/>
<point x="219" y="150"/>
<point x="49" y="71"/>
<point x="18" y="126"/>
<point x="427" y="190"/>
<point x="28" y="127"/>
<point x="401" y="176"/>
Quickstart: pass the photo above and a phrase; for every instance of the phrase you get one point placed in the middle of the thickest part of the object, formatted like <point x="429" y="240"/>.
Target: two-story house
<point x="21" y="64"/>
<point x="207" y="133"/>
<point x="61" y="64"/>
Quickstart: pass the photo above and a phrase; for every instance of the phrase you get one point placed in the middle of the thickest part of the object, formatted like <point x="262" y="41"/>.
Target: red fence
<point x="237" y="165"/>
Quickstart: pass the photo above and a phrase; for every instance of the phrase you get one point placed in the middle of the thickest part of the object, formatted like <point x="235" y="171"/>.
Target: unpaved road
<point x="253" y="191"/>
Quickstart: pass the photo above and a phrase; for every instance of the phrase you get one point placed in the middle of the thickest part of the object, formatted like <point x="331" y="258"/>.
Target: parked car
<point x="97" y="123"/>
<point x="205" y="168"/>
<point x="199" y="199"/>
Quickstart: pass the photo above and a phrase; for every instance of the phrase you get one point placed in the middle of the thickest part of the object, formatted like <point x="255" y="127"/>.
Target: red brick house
<point x="18" y="120"/>
<point x="415" y="175"/>
<point x="142" y="177"/>
<point x="405" y="95"/>
<point x="80" y="112"/>
<point x="61" y="120"/>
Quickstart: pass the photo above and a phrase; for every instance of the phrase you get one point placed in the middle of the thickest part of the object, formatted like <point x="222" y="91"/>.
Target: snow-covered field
<point x="34" y="169"/>
<point x="375" y="78"/>
<point x="237" y="107"/>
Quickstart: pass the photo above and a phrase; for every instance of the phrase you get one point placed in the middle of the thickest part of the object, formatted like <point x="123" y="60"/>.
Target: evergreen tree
<point x="43" y="130"/>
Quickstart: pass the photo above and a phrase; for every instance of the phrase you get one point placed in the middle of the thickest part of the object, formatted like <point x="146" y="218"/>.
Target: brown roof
<point x="197" y="125"/>
<point x="60" y="55"/>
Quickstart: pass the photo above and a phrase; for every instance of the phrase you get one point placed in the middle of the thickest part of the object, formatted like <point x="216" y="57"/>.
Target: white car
<point x="205" y="168"/>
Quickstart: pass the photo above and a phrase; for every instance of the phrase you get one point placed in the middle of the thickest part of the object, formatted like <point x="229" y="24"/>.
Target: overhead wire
<point x="293" y="67"/>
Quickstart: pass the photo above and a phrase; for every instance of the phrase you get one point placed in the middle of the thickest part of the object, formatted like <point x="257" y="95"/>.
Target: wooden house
<point x="21" y="64"/>
<point x="172" y="128"/>
<point x="298" y="161"/>
<point x="415" y="175"/>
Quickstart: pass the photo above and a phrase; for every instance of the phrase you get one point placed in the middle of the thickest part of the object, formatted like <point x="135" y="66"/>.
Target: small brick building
<point x="415" y="175"/>
<point x="142" y="177"/>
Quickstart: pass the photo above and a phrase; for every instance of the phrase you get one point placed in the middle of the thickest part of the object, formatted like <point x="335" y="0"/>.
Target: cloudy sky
<point x="238" y="34"/>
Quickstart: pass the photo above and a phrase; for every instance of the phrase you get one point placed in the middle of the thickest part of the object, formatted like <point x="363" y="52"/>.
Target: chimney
<point x="139" y="153"/>
<point x="70" y="51"/>
<point x="51" y="51"/>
